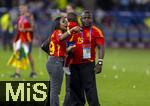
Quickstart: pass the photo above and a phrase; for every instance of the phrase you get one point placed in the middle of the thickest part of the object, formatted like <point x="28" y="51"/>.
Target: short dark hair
<point x="72" y="17"/>
<point x="86" y="12"/>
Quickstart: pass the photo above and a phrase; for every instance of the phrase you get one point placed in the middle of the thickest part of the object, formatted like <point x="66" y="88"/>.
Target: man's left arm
<point x="99" y="64"/>
<point x="99" y="39"/>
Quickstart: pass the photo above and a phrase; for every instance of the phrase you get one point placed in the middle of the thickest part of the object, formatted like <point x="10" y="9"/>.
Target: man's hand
<point x="98" y="68"/>
<point x="70" y="48"/>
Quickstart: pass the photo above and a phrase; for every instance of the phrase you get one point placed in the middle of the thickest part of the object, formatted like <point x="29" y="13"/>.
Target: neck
<point x="87" y="26"/>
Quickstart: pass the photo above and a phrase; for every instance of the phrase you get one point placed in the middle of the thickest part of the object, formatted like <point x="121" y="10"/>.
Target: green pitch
<point x="125" y="80"/>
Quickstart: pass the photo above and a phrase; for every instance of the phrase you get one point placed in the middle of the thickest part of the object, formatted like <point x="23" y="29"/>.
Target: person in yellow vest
<point x="7" y="30"/>
<point x="61" y="4"/>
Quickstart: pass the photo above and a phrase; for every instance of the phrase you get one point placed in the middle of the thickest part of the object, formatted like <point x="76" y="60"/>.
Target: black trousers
<point x="83" y="83"/>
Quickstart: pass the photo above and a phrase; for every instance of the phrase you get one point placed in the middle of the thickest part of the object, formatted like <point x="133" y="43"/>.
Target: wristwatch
<point x="100" y="62"/>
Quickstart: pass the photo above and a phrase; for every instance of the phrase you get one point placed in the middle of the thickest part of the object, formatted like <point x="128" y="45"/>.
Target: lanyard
<point x="90" y="35"/>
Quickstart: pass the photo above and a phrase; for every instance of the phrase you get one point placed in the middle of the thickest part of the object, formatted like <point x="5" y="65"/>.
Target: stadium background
<point x="126" y="26"/>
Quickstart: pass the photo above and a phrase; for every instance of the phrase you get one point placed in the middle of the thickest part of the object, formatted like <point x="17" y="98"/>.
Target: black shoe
<point x="15" y="75"/>
<point x="32" y="75"/>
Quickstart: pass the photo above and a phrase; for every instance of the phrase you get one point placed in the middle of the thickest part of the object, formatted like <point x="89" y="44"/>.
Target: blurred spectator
<point x="35" y="6"/>
<point x="70" y="8"/>
<point x="104" y="4"/>
<point x="124" y="4"/>
<point x="7" y="30"/>
<point x="61" y="4"/>
<point x="25" y="28"/>
<point x="107" y="13"/>
<point x="147" y="22"/>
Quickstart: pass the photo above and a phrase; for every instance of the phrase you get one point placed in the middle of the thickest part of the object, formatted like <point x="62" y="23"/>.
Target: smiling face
<point x="63" y="23"/>
<point x="86" y="19"/>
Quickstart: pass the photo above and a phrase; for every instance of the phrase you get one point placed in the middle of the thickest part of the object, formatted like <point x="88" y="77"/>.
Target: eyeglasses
<point x="63" y="21"/>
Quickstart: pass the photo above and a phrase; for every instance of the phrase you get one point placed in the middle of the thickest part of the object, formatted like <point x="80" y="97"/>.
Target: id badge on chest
<point x="86" y="51"/>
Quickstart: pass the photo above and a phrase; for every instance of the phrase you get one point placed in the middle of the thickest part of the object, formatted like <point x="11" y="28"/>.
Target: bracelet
<point x="100" y="60"/>
<point x="68" y="31"/>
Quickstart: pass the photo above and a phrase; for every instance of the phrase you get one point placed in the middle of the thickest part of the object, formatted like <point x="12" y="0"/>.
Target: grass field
<point x="125" y="80"/>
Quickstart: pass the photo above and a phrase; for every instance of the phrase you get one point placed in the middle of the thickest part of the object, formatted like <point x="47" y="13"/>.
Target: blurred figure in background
<point x="25" y="27"/>
<point x="7" y="30"/>
<point x="61" y="4"/>
<point x="29" y="26"/>
<point x="70" y="8"/>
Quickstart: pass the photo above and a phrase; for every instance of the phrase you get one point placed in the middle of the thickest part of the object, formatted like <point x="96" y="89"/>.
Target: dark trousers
<point x="6" y="40"/>
<point x="82" y="81"/>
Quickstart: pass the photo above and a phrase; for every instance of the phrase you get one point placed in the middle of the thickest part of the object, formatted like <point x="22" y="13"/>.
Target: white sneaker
<point x="66" y="70"/>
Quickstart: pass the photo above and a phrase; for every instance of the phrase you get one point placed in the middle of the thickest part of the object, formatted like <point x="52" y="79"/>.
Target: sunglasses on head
<point x="64" y="21"/>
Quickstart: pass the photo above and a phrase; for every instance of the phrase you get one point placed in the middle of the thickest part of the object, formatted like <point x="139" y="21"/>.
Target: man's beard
<point x="87" y="24"/>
